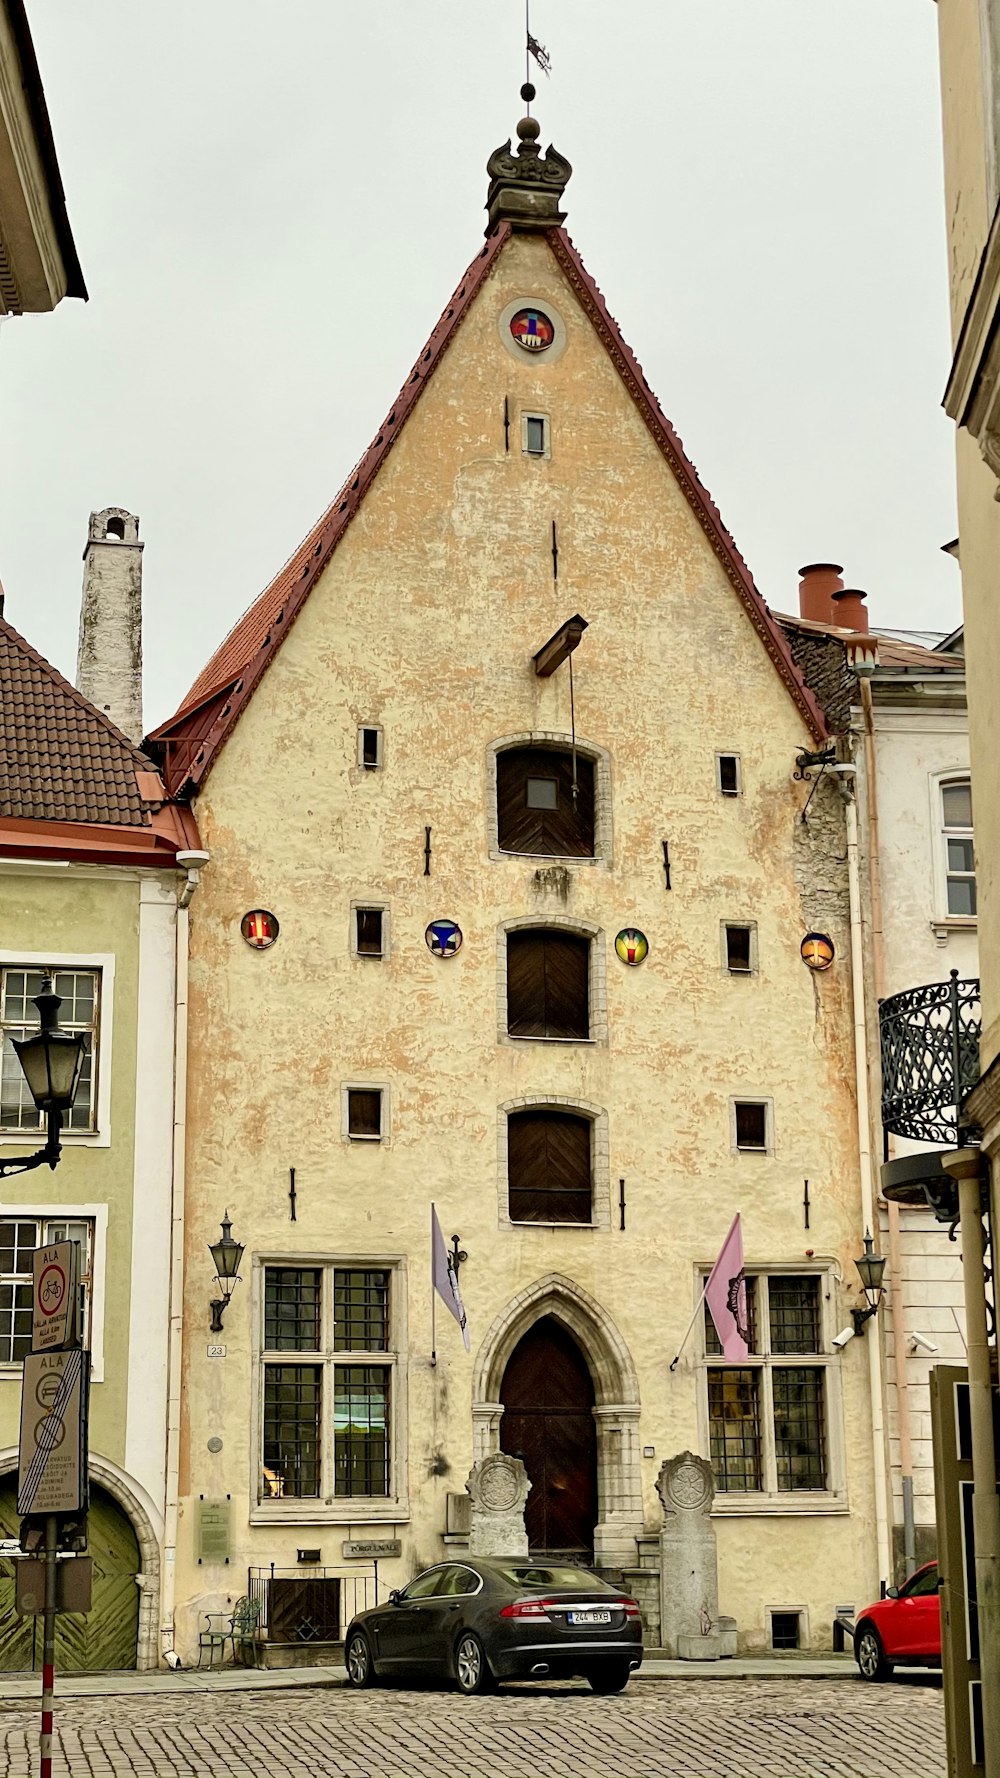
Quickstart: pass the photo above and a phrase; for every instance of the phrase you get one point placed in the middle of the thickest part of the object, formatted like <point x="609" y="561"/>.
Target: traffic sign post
<point x="52" y="1481"/>
<point x="56" y="1295"/>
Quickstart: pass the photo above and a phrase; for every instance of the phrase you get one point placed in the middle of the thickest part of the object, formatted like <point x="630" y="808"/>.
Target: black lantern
<point x="870" y="1266"/>
<point x="226" y="1255"/>
<point x="52" y="1063"/>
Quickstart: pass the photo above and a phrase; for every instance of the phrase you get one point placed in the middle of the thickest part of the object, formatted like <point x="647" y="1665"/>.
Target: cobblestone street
<point x="657" y="1729"/>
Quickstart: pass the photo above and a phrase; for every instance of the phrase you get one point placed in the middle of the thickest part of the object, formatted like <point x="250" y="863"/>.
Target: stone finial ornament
<point x="498" y="1487"/>
<point x="525" y="188"/>
<point x="685" y="1485"/>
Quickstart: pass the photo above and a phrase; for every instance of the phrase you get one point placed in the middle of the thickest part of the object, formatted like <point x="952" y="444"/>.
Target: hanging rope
<point x="572" y="726"/>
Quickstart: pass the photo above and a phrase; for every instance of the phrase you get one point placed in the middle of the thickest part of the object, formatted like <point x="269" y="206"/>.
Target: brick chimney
<point x="850" y="610"/>
<point x="818" y="582"/>
<point x="109" y="658"/>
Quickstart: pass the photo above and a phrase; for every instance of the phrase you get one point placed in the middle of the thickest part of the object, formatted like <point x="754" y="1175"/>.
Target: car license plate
<point x="589" y="1617"/>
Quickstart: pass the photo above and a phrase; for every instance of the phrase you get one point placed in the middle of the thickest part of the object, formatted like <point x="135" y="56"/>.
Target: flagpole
<point x="434" y="1358"/>
<point x="687" y="1335"/>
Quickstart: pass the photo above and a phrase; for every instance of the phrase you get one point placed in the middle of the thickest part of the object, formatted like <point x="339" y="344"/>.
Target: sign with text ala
<point x="55" y="1300"/>
<point x="52" y="1470"/>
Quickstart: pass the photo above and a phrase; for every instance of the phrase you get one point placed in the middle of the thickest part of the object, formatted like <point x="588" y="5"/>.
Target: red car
<point x="903" y="1629"/>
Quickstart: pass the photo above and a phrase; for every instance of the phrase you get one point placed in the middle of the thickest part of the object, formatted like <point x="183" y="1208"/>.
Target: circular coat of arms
<point x="532" y="329"/>
<point x="444" y="938"/>
<point x="632" y="945"/>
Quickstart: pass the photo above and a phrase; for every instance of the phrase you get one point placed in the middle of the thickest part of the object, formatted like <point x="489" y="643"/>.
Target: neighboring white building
<point x="903" y="707"/>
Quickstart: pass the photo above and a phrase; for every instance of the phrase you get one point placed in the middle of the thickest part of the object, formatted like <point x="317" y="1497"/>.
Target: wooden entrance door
<point x="107" y="1637"/>
<point x="548" y="1421"/>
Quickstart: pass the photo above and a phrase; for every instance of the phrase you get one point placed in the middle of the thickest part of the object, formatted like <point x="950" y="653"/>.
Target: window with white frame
<point x="958" y="846"/>
<point x="328" y="1365"/>
<point x="19" y="1236"/>
<point x="80" y="993"/>
<point x="768" y="1416"/>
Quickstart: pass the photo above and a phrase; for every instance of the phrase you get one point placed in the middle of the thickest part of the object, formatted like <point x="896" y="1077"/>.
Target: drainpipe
<point x="193" y="861"/>
<point x="892" y="1209"/>
<point x="872" y="1340"/>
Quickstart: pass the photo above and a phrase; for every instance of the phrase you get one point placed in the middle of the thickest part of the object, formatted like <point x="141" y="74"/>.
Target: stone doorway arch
<point x="616" y="1395"/>
<point x="139" y="1511"/>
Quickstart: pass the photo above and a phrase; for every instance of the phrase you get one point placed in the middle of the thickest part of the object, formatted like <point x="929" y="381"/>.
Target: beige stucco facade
<point x="424" y="623"/>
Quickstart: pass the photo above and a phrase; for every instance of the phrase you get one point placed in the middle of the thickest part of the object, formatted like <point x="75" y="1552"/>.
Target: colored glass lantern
<point x="444" y="938"/>
<point x="632" y="945"/>
<point x="533" y="330"/>
<point x="259" y="928"/>
<point x="817" y="951"/>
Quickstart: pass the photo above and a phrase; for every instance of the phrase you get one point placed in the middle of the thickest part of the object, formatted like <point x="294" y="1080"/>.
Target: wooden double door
<point x="548" y="1421"/>
<point x="107" y="1637"/>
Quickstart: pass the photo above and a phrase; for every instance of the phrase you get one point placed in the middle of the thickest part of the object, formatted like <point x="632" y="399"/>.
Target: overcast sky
<point x="273" y="199"/>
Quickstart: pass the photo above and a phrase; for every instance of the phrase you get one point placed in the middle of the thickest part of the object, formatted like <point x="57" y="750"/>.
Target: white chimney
<point x="109" y="659"/>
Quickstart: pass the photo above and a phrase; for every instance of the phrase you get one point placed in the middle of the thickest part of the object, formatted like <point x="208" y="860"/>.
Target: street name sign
<point x="373" y="1551"/>
<point x="55" y="1296"/>
<point x="52" y="1466"/>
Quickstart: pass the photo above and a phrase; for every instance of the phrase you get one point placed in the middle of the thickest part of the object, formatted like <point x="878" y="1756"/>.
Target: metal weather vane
<point x="534" y="51"/>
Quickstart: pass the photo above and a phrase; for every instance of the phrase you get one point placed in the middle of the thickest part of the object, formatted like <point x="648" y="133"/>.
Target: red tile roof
<point x="189" y="741"/>
<point x="60" y="758"/>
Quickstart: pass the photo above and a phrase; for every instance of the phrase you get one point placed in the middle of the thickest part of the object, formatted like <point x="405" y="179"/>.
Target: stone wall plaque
<point x="372" y="1550"/>
<point x="213" y="1530"/>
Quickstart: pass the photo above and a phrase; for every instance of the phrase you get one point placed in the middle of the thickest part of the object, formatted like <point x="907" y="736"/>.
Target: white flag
<point x="445" y="1279"/>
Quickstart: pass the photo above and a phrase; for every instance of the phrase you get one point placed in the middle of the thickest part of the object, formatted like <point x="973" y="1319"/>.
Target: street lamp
<point x="226" y="1255"/>
<point x="52" y="1062"/>
<point x="870" y="1266"/>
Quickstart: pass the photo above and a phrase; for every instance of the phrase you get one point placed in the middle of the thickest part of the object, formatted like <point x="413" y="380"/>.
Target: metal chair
<point x="212" y="1637"/>
<point x="244" y="1622"/>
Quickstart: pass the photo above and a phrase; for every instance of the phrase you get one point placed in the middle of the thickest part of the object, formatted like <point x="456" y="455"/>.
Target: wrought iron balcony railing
<point x="930" y="1059"/>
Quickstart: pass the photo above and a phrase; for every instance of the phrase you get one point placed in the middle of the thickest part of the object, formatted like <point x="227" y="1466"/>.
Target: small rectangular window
<point x="541" y="793"/>
<point x="728" y="775"/>
<point x="535" y="440"/>
<point x="364" y="1113"/>
<point x="370" y="748"/>
<point x="369" y="931"/>
<point x="739" y="959"/>
<point x="751" y="1124"/>
<point x="784" y="1629"/>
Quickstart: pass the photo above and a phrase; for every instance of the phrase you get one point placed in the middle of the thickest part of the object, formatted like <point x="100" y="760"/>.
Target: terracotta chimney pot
<point x="850" y="610"/>
<point x="818" y="582"/>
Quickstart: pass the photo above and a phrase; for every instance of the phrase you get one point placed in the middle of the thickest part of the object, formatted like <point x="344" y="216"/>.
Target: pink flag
<point x="726" y="1295"/>
<point x="444" y="1279"/>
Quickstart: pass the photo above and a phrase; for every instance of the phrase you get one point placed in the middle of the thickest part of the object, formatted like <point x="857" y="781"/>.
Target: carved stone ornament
<point x="685" y="1485"/>
<point x="525" y="187"/>
<point x="499" y="1484"/>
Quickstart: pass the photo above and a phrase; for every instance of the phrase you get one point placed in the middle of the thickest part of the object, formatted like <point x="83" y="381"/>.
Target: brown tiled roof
<point x="820" y="653"/>
<point x="60" y="759"/>
<point x="189" y="741"/>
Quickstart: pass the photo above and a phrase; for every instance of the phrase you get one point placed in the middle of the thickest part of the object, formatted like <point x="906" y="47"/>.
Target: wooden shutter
<point x="567" y="831"/>
<point x="548" y="1167"/>
<point x="548" y="984"/>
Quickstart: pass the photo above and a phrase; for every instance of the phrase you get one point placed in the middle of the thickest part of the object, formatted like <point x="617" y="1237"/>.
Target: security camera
<point x="845" y="1334"/>
<point x="920" y="1343"/>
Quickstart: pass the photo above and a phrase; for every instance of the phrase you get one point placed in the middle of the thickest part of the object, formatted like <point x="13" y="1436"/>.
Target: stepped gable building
<point x="509" y="882"/>
<point x="95" y="863"/>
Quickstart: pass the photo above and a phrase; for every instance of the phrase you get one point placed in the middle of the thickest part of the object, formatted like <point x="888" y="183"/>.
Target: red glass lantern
<point x="259" y="928"/>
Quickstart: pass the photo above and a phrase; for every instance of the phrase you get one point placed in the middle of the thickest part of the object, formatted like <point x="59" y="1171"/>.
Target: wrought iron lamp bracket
<point x="44" y="1157"/>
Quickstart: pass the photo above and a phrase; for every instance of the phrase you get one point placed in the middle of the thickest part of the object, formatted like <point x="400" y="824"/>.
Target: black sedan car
<point x="478" y="1622"/>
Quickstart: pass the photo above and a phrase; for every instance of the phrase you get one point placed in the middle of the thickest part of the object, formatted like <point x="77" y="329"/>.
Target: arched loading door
<point x="107" y="1636"/>
<point x="548" y="1421"/>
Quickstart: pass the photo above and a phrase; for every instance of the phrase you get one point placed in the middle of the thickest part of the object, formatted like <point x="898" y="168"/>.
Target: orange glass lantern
<point x="817" y="952"/>
<point x="259" y="928"/>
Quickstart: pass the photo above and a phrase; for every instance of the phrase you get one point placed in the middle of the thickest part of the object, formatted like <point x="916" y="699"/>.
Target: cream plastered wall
<point x="963" y="103"/>
<point x="968" y="219"/>
<point x="914" y="751"/>
<point x="81" y="913"/>
<point x="425" y="622"/>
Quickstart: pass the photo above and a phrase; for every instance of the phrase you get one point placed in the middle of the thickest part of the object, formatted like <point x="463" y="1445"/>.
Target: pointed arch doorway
<point x="548" y="1421"/>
